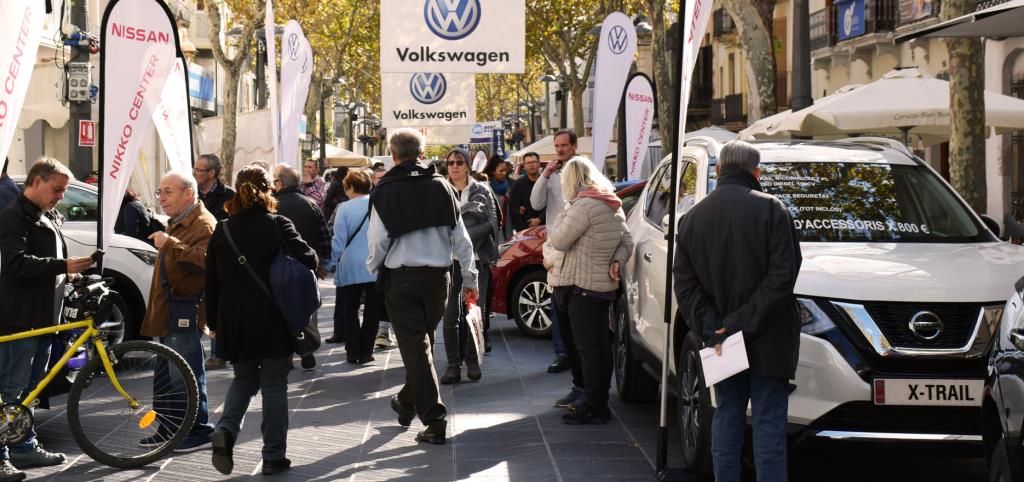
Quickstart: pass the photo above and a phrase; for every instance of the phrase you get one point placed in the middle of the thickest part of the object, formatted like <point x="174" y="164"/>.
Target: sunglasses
<point x="457" y="163"/>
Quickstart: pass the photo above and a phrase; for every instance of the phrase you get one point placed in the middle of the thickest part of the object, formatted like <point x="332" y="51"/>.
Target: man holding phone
<point x="34" y="270"/>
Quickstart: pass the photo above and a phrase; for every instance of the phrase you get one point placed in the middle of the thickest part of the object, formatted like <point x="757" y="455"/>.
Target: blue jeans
<point x="269" y="376"/>
<point x="189" y="345"/>
<point x="22" y="366"/>
<point x="769" y="399"/>
<point x="556" y="334"/>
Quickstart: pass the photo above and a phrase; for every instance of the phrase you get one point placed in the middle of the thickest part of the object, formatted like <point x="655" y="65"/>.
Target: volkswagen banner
<point x="443" y="136"/>
<point x="428" y="100"/>
<point x="616" y="47"/>
<point x="139" y="46"/>
<point x="22" y="28"/>
<point x="482" y="36"/>
<point x="640" y="108"/>
<point x="296" y="73"/>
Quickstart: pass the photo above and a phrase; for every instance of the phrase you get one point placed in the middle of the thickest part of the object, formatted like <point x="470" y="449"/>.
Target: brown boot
<point x="452" y="375"/>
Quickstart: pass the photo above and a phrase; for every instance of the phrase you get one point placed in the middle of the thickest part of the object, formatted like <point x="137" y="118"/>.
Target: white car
<point x="901" y="288"/>
<point x="128" y="261"/>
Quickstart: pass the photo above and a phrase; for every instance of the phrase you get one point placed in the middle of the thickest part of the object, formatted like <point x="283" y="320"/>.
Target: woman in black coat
<point x="249" y="328"/>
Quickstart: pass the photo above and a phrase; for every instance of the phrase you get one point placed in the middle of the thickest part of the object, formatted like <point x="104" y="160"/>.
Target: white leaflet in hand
<point x="732" y="361"/>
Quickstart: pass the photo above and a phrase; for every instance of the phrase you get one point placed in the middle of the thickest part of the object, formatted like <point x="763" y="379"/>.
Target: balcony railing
<point x="822" y="33"/>
<point x="734" y="108"/>
<point x="723" y="23"/>
<point x="839" y="22"/>
<point x="716" y="113"/>
<point x="700" y="96"/>
<point x="916" y="10"/>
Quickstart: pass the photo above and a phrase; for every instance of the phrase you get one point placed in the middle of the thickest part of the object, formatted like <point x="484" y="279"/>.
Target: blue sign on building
<point x="201" y="88"/>
<point x="850" y="21"/>
<point x="498" y="143"/>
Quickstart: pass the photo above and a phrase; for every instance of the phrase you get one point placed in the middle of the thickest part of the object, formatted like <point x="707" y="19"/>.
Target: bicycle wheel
<point x="115" y="434"/>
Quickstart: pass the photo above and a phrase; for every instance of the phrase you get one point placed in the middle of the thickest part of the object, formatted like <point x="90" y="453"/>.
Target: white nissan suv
<point x="900" y="291"/>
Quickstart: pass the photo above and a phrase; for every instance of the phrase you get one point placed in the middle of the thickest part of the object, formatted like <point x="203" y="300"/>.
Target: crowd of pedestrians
<point x="413" y="248"/>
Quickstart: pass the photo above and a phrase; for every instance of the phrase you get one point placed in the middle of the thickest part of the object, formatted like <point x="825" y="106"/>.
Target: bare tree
<point x="753" y="19"/>
<point x="233" y="68"/>
<point x="966" y="110"/>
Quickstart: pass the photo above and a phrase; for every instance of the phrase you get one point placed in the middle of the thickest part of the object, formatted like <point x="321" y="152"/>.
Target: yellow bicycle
<point x="129" y="405"/>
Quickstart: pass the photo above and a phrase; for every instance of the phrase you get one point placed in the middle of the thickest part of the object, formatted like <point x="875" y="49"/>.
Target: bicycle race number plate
<point x="929" y="392"/>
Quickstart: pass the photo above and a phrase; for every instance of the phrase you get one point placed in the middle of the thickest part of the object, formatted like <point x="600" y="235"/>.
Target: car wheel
<point x="694" y="409"/>
<point x="116" y="324"/>
<point x="633" y="383"/>
<point x="999" y="463"/>
<point x="531" y="305"/>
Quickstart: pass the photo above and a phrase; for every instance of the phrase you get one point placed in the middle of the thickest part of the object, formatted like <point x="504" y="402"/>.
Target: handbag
<point x="183" y="311"/>
<point x="306" y="338"/>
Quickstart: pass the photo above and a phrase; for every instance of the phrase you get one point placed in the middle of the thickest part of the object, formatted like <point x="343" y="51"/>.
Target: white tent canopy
<point x="337" y="156"/>
<point x="546" y="148"/>
<point x="999" y="21"/>
<point x="903" y="103"/>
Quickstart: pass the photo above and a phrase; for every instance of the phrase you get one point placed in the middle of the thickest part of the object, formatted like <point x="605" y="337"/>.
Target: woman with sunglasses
<point x="478" y="206"/>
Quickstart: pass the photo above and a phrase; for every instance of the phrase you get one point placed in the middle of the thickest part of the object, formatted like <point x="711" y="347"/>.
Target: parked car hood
<point x="979" y="272"/>
<point x="88" y="238"/>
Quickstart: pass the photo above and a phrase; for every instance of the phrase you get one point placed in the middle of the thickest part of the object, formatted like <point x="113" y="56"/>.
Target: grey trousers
<point x="415" y="300"/>
<point x="268" y="376"/>
<point x="457" y="346"/>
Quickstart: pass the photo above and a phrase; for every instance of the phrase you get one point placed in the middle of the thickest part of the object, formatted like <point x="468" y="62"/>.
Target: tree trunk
<point x="579" y="89"/>
<point x="759" y="50"/>
<point x="967" y="121"/>
<point x="663" y="42"/>
<point x="229" y="132"/>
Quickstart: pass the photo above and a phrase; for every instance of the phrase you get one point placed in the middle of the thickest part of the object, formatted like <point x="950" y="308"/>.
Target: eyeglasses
<point x="196" y="169"/>
<point x="165" y="192"/>
<point x="457" y="163"/>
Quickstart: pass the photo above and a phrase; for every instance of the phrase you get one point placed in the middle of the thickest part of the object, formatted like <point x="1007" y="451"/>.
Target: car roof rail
<point x="881" y="142"/>
<point x="708" y="143"/>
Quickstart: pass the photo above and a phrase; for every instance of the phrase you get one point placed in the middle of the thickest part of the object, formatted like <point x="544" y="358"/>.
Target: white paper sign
<point x="428" y="100"/>
<point x="732" y="361"/>
<point x="296" y="73"/>
<point x="485" y="36"/>
<point x="139" y="48"/>
<point x="640" y="107"/>
<point x="615" y="49"/>
<point x="21" y="25"/>
<point x="172" y="119"/>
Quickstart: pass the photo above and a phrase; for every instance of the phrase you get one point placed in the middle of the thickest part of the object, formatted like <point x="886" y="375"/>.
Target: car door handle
<point x="648" y="257"/>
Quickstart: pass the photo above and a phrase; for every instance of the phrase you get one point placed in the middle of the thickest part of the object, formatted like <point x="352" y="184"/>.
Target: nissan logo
<point x="428" y="88"/>
<point x="452" y="19"/>
<point x="926" y="325"/>
<point x="618" y="39"/>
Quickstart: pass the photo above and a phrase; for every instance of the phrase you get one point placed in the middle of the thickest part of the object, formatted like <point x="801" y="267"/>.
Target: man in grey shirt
<point x="415" y="233"/>
<point x="547" y="195"/>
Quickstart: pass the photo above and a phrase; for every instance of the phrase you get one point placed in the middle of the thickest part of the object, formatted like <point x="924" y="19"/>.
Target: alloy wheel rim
<point x="689" y="403"/>
<point x="533" y="302"/>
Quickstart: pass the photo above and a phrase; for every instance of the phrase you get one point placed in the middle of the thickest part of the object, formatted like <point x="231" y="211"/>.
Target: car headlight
<point x="813" y="321"/>
<point x="503" y="247"/>
<point x="148" y="257"/>
<point x="506" y="245"/>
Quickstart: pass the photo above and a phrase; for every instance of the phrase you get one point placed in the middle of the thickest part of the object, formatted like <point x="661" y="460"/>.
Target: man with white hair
<point x="180" y="275"/>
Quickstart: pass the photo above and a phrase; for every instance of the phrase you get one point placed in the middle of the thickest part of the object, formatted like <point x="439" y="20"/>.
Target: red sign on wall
<point x="86" y="133"/>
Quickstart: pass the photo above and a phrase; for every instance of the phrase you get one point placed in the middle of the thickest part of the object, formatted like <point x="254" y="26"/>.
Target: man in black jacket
<point x="304" y="213"/>
<point x="212" y="192"/>
<point x="520" y="210"/>
<point x="32" y="277"/>
<point x="738" y="260"/>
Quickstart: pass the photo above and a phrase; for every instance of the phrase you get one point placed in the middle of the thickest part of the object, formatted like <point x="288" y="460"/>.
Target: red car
<point x="519" y="285"/>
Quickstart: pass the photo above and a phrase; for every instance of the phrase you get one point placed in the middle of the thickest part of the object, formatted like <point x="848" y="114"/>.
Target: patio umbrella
<point x="337" y="156"/>
<point x="1001" y="21"/>
<point x="902" y="103"/>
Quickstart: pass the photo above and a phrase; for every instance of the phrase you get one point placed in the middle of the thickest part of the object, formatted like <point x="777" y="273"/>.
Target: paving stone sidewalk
<point x="503" y="427"/>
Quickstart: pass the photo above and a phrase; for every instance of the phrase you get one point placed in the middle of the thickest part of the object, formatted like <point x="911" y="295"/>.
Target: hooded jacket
<point x="592" y="234"/>
<point x="411" y="197"/>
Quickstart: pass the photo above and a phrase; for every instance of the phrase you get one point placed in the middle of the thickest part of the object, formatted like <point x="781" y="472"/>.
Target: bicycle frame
<point x="90" y="333"/>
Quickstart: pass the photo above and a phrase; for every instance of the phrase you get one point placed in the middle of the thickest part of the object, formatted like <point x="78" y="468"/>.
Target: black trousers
<point x="359" y="338"/>
<point x="592" y="339"/>
<point x="415" y="299"/>
<point x="561" y="298"/>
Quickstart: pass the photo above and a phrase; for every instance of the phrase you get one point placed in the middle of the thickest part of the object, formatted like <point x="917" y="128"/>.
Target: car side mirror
<point x="1017" y="338"/>
<point x="991" y="224"/>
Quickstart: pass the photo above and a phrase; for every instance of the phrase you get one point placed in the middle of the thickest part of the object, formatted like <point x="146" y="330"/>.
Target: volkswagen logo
<point x="293" y="46"/>
<point x="452" y="19"/>
<point x="618" y="39"/>
<point x="926" y="325"/>
<point x="428" y="88"/>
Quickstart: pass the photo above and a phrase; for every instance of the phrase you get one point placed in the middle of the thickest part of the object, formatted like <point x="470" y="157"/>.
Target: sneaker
<point x="37" y="457"/>
<point x="308" y="362"/>
<point x="584" y="415"/>
<point x="194" y="444"/>
<point x="215" y="363"/>
<point x="574" y="394"/>
<point x="223" y="451"/>
<point x="271" y="467"/>
<point x="473" y="370"/>
<point x="8" y="473"/>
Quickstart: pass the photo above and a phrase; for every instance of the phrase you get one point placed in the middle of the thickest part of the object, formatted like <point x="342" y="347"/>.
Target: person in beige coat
<point x="594" y="244"/>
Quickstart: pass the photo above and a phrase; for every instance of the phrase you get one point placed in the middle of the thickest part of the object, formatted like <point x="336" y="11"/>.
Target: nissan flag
<point x="480" y="36"/>
<point x="139" y="41"/>
<point x="615" y="49"/>
<point x="172" y="119"/>
<point x="275" y="117"/>
<point x="428" y="100"/>
<point x="296" y="72"/>
<point x="21" y="25"/>
<point x="640" y="107"/>
<point x="696" y="15"/>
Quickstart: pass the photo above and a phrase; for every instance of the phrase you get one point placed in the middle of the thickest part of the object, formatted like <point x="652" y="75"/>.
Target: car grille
<point x="868" y="417"/>
<point x="958" y="320"/>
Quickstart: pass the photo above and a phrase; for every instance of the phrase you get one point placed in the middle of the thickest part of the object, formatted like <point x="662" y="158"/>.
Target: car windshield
<point x="869" y="202"/>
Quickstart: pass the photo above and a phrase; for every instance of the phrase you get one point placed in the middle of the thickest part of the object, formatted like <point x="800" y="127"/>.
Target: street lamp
<point x="559" y="96"/>
<point x="261" y="60"/>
